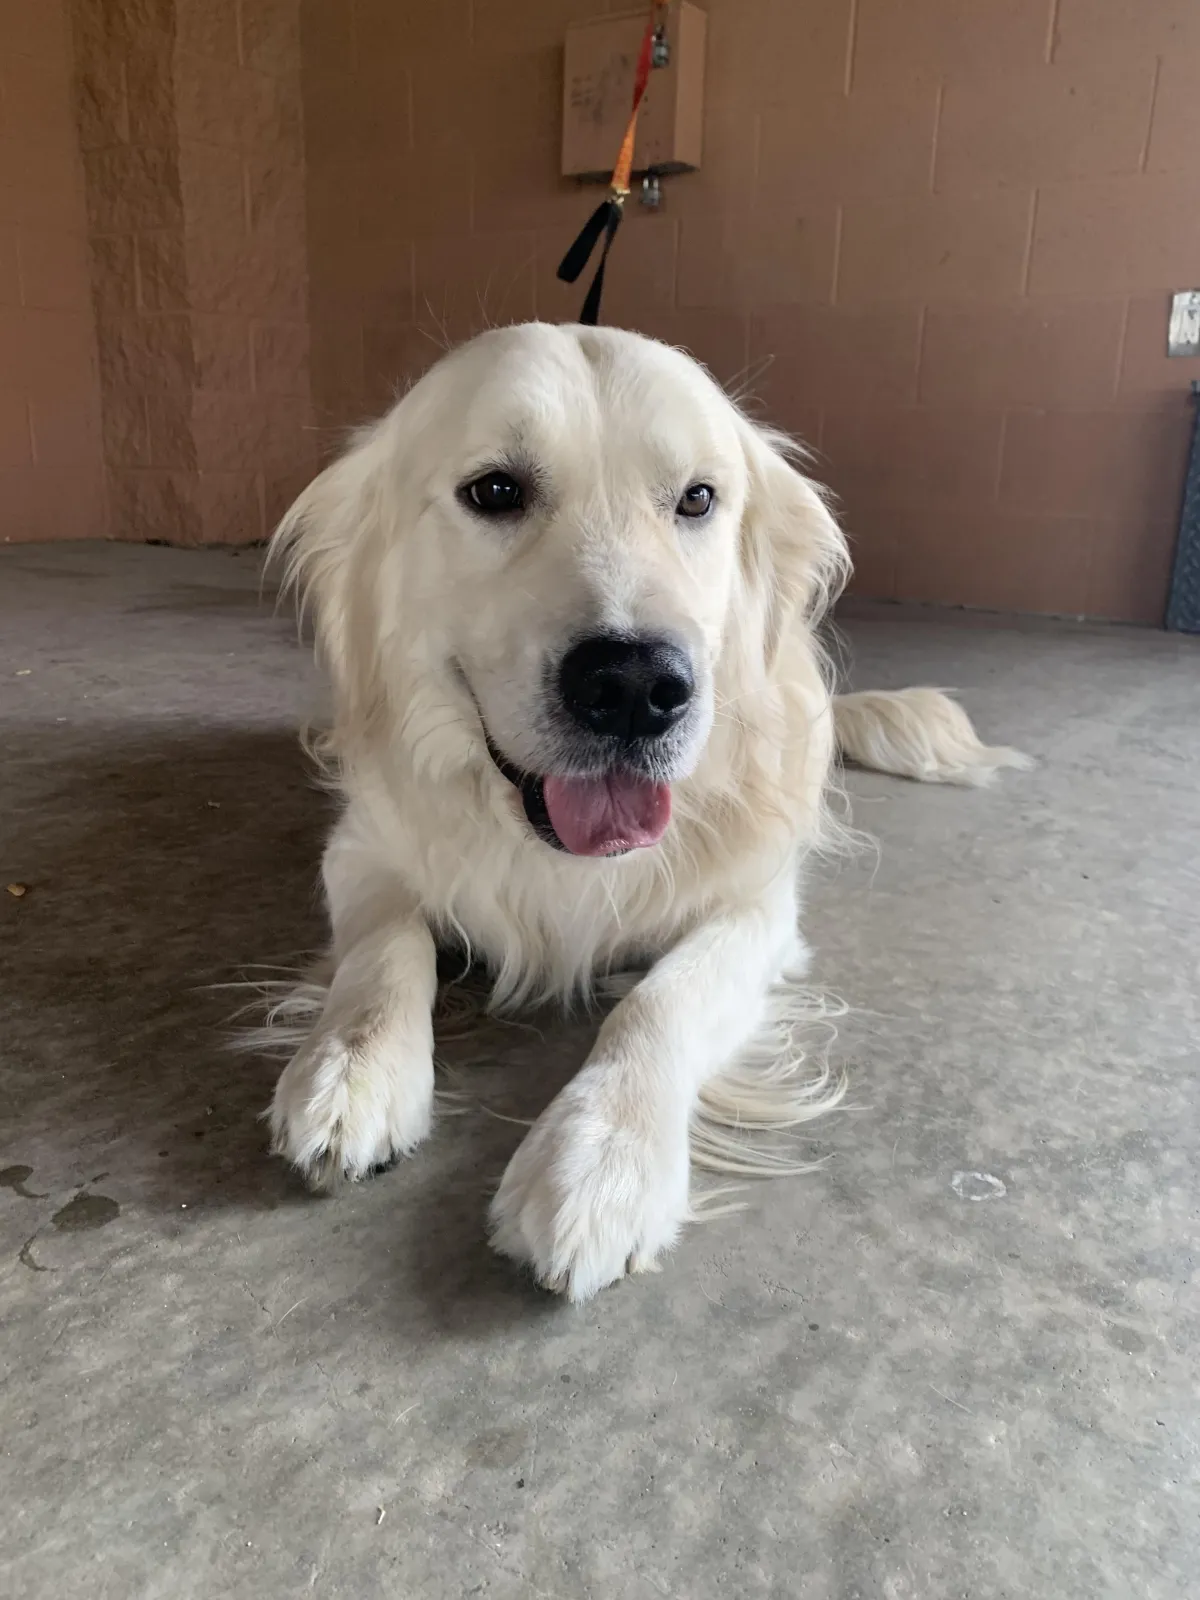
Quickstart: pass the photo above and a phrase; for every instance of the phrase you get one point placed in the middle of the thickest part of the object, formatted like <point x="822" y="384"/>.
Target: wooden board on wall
<point x="601" y="58"/>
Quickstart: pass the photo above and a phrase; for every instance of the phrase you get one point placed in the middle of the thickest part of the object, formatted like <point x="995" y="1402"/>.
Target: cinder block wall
<point x="51" y="481"/>
<point x="938" y="238"/>
<point x="939" y="235"/>
<point x="190" y="124"/>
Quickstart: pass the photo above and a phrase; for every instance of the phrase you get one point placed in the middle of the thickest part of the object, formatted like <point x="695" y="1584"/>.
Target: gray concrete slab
<point x="958" y="1361"/>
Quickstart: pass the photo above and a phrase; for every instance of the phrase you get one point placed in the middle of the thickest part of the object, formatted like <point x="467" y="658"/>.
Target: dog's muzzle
<point x="606" y="814"/>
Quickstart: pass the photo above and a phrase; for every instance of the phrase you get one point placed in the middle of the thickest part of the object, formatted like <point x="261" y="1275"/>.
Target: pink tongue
<point x="601" y="816"/>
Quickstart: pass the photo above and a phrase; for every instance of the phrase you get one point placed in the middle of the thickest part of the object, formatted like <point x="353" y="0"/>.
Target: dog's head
<point x="564" y="540"/>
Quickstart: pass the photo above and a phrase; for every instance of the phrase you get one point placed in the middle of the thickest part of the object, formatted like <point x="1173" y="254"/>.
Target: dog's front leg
<point x="359" y="1092"/>
<point x="599" y="1186"/>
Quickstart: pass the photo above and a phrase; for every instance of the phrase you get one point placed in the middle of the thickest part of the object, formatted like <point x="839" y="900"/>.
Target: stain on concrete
<point x="978" y="1186"/>
<point x="84" y="1212"/>
<point x="25" y="1257"/>
<point x="15" y="1178"/>
<point x="499" y="1447"/>
<point x="1122" y="1337"/>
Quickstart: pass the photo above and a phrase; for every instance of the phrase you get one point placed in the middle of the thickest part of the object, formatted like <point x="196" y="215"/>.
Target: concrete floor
<point x="959" y="1361"/>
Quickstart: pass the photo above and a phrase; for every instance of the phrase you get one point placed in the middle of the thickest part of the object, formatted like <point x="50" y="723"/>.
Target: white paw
<point x="586" y="1199"/>
<point x="346" y="1106"/>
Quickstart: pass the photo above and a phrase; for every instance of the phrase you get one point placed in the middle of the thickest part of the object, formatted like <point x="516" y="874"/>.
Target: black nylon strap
<point x="606" y="219"/>
<point x="576" y="258"/>
<point x="590" y="314"/>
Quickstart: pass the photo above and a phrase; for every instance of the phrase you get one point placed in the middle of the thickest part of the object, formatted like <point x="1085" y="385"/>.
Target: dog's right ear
<point x="332" y="545"/>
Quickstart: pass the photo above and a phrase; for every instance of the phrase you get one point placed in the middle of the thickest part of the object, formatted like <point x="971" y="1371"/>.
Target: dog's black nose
<point x="627" y="688"/>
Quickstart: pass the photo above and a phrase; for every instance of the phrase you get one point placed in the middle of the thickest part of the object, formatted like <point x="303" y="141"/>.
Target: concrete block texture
<point x="938" y="240"/>
<point x="955" y="224"/>
<point x="51" y="467"/>
<point x="190" y="125"/>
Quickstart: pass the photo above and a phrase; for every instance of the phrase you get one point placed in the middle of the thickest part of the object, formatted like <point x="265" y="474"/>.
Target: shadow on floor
<point x="164" y="867"/>
<point x="160" y="864"/>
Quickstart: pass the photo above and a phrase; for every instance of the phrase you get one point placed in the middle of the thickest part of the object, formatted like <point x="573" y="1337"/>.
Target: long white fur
<point x="431" y="625"/>
<point x="918" y="733"/>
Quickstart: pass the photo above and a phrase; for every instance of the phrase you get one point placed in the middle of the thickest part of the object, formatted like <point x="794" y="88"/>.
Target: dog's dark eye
<point x="696" y="500"/>
<point x="496" y="494"/>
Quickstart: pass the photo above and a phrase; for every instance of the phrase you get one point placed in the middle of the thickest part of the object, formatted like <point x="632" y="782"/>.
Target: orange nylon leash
<point x="619" y="187"/>
<point x="606" y="218"/>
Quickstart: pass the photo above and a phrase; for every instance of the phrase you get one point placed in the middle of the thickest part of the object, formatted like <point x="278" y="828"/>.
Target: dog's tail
<point x="917" y="733"/>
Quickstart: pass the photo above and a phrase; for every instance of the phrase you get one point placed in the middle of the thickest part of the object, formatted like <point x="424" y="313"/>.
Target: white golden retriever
<point x="566" y="593"/>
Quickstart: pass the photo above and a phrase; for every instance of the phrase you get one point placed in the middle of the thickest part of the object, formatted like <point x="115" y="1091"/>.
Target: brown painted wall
<point x="153" y="281"/>
<point x="190" y="123"/>
<point x="50" y="469"/>
<point x="938" y="236"/>
<point x="953" y="225"/>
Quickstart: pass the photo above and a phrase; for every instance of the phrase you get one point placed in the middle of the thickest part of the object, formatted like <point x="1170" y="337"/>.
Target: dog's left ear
<point x="794" y="557"/>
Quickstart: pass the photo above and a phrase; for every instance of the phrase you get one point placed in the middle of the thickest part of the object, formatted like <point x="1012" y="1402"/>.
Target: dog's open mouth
<point x="602" y="816"/>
